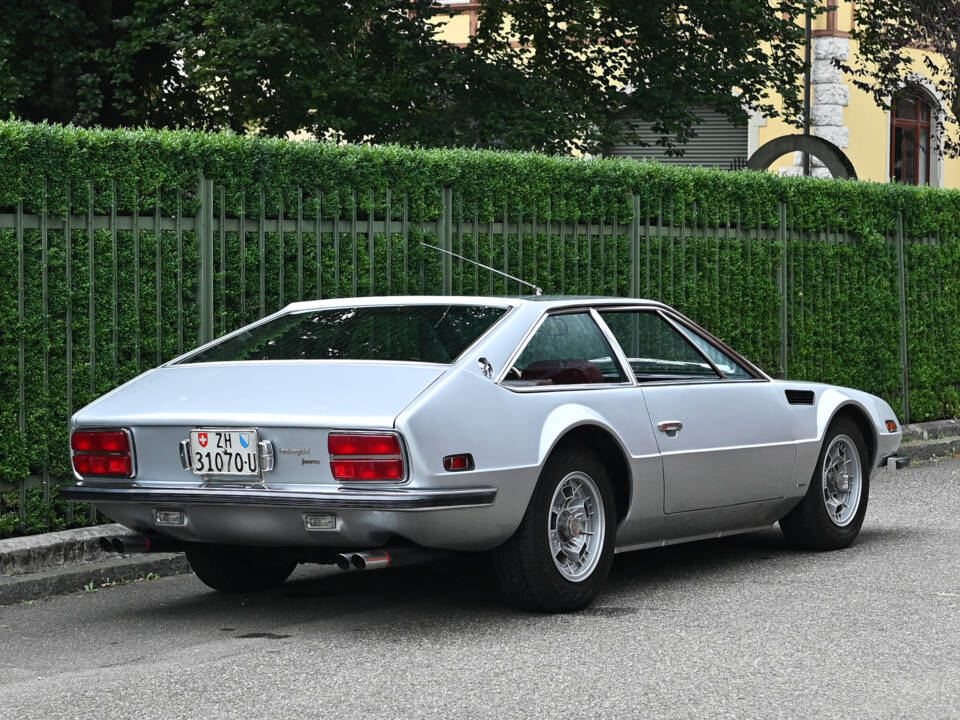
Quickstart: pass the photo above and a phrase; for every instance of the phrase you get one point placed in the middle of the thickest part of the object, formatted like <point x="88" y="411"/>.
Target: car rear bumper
<point x="389" y="500"/>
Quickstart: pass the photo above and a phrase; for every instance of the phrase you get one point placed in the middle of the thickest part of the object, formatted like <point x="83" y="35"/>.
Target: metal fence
<point x="103" y="294"/>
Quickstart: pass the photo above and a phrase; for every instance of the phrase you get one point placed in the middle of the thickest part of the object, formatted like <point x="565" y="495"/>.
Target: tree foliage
<point x="563" y="76"/>
<point x="887" y="31"/>
<point x="655" y="61"/>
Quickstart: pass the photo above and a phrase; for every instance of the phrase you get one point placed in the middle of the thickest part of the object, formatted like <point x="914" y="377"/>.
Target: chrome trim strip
<point x="629" y="381"/>
<point x="571" y="387"/>
<point x="618" y="351"/>
<point x="673" y="323"/>
<point x="400" y="500"/>
<point x="520" y="348"/>
<point x="728" y="448"/>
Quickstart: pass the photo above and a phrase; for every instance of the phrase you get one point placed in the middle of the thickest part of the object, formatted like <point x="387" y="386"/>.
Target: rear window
<point x="418" y="333"/>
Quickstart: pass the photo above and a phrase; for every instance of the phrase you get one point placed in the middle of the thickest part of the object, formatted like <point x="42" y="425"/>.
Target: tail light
<point x="102" y="452"/>
<point x="365" y="456"/>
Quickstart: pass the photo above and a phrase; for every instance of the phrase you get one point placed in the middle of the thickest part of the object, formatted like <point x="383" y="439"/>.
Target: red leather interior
<point x="563" y="372"/>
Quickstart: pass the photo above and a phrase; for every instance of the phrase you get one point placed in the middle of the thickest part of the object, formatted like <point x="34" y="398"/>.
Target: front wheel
<point x="831" y="513"/>
<point x="560" y="556"/>
<point x="239" y="569"/>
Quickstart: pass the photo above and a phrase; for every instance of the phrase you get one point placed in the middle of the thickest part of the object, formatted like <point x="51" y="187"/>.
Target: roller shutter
<point x="719" y="143"/>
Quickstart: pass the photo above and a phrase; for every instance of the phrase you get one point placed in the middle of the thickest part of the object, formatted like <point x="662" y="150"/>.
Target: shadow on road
<point x="464" y="588"/>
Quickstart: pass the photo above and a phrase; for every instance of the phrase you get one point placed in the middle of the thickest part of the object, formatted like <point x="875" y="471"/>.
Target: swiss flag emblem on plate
<point x="202" y="439"/>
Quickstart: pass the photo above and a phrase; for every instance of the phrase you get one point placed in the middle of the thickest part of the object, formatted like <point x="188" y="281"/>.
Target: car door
<point x="724" y="433"/>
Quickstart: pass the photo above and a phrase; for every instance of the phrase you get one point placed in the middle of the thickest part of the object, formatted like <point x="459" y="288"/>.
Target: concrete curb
<point x="933" y="430"/>
<point x="32" y="553"/>
<point x="71" y="578"/>
<point x="931" y="440"/>
<point x="38" y="566"/>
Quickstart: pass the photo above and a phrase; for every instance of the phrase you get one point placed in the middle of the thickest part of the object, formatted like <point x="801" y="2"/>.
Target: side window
<point x="656" y="351"/>
<point x="567" y="349"/>
<point x="728" y="366"/>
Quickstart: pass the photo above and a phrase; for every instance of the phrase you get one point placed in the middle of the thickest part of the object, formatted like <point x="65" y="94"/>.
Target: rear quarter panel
<point x="511" y="434"/>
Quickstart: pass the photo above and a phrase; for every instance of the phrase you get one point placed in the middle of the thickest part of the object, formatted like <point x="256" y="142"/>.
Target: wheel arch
<point x="861" y="418"/>
<point x="600" y="437"/>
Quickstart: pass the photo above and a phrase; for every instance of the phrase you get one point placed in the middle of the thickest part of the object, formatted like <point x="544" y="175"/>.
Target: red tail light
<point x="367" y="456"/>
<point x="102" y="452"/>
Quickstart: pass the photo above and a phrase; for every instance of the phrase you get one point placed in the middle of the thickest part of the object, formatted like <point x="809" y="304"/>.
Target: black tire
<point x="239" y="569"/>
<point x="524" y="565"/>
<point x="809" y="526"/>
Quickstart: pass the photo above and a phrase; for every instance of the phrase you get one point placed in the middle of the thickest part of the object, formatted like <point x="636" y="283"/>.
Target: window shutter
<point x="719" y="143"/>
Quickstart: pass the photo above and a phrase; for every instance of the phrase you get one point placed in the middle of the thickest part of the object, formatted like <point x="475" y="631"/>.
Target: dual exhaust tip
<point x="363" y="560"/>
<point x="129" y="544"/>
<point x="391" y="557"/>
<point x="358" y="560"/>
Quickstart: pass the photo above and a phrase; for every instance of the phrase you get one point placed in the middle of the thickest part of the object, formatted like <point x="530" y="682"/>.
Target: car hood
<point x="310" y="394"/>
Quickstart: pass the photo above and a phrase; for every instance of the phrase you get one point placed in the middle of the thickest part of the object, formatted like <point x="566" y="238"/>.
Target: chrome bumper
<point x="400" y="499"/>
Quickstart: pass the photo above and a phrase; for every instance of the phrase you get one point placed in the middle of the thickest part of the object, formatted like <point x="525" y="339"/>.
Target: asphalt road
<point x="740" y="627"/>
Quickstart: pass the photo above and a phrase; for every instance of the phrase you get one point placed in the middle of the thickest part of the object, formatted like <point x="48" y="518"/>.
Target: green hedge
<point x="843" y="297"/>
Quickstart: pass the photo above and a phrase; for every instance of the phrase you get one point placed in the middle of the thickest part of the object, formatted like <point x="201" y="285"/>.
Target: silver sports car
<point x="553" y="432"/>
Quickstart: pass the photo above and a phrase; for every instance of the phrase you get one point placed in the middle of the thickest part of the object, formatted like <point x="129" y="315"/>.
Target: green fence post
<point x="902" y="282"/>
<point x="446" y="240"/>
<point x="205" y="242"/>
<point x="782" y="286"/>
<point x="635" y="247"/>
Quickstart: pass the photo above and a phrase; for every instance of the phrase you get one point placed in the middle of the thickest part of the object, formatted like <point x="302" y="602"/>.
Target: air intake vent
<point x="799" y="397"/>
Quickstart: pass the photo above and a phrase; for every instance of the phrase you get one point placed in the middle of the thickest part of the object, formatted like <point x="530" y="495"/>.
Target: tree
<point x="886" y="68"/>
<point x="656" y="61"/>
<point x="539" y="76"/>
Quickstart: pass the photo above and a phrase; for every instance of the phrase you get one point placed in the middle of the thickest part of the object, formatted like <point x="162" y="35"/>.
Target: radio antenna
<point x="485" y="267"/>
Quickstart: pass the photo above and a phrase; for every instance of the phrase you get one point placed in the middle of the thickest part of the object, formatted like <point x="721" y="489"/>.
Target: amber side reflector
<point x="891" y="426"/>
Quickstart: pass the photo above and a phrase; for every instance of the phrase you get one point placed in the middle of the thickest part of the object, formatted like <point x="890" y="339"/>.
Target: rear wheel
<point x="831" y="513"/>
<point x="239" y="569"/>
<point x="560" y="556"/>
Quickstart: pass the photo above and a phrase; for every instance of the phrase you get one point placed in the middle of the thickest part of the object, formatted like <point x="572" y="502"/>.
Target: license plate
<point x="219" y="451"/>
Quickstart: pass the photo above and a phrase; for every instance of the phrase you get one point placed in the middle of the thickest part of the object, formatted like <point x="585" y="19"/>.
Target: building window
<point x="910" y="141"/>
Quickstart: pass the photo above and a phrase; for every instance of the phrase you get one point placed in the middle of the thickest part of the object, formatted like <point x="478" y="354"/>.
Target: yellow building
<point x="883" y="146"/>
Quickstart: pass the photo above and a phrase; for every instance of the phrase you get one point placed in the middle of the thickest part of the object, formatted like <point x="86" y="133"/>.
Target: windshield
<point x="418" y="333"/>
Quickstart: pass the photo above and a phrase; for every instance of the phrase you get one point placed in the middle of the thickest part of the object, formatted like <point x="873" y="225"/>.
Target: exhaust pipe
<point x="387" y="557"/>
<point x="130" y="544"/>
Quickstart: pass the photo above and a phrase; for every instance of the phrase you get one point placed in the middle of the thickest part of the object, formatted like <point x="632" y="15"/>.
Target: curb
<point x="38" y="566"/>
<point x="32" y="553"/>
<point x="68" y="579"/>
<point x="932" y="440"/>
<point x="923" y="450"/>
<point x="933" y="430"/>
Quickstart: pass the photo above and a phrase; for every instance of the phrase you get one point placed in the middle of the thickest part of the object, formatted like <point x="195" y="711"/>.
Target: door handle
<point x="670" y="428"/>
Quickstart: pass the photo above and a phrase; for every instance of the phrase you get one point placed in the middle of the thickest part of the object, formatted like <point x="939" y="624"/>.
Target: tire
<point x="239" y="569"/>
<point x="829" y="517"/>
<point x="528" y="573"/>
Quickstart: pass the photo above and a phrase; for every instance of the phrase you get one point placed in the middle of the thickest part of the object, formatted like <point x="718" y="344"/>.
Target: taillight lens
<point x="367" y="456"/>
<point x="102" y="452"/>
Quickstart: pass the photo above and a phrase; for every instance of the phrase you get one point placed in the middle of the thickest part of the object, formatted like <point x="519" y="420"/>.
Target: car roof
<point x="549" y="301"/>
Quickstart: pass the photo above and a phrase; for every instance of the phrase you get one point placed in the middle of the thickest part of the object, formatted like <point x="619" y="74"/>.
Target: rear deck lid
<point x="270" y="393"/>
